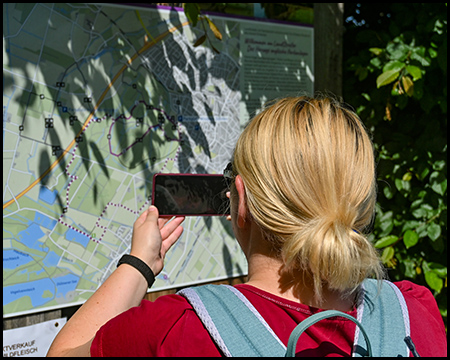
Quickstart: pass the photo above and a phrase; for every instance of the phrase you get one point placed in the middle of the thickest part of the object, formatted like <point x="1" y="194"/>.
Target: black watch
<point x="141" y="266"/>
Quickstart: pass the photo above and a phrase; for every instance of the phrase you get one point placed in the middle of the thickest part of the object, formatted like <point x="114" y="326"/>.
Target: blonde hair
<point x="308" y="169"/>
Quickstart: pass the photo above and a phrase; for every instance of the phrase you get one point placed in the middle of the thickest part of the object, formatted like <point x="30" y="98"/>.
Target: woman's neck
<point x="269" y="274"/>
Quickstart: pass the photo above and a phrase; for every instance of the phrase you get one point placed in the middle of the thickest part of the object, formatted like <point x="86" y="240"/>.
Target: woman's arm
<point x="125" y="287"/>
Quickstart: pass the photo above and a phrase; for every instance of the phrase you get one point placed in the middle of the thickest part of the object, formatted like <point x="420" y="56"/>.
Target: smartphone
<point x="190" y="194"/>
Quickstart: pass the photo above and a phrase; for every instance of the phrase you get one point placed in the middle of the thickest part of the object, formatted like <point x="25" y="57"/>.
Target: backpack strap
<point x="311" y="320"/>
<point x="237" y="328"/>
<point x="384" y="315"/>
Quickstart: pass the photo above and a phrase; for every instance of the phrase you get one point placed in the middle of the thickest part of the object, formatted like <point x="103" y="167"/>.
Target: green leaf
<point x="433" y="231"/>
<point x="422" y="172"/>
<point x="410" y="238"/>
<point x="398" y="184"/>
<point x="386" y="241"/>
<point x="362" y="73"/>
<point x="387" y="77"/>
<point x="394" y="65"/>
<point x="376" y="51"/>
<point x="407" y="176"/>
<point x="424" y="211"/>
<point x="433" y="53"/>
<point x="397" y="49"/>
<point x="376" y="63"/>
<point x="402" y="185"/>
<point x="385" y="223"/>
<point x="438" y="182"/>
<point x="439" y="269"/>
<point x="387" y="254"/>
<point x="192" y="11"/>
<point x="434" y="281"/>
<point x="410" y="268"/>
<point x="418" y="54"/>
<point x="408" y="85"/>
<point x="414" y="71"/>
<point x="439" y="164"/>
<point x="388" y="192"/>
<point x="214" y="29"/>
<point x="200" y="40"/>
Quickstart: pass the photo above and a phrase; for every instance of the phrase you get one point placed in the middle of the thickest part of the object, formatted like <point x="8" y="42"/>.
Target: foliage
<point x="193" y="13"/>
<point x="294" y="12"/>
<point x="396" y="77"/>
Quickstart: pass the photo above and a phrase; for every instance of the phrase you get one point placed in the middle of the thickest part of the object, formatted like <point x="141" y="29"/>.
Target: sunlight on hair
<point x="309" y="172"/>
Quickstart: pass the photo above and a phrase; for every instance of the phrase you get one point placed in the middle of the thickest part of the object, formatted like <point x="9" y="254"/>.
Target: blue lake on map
<point x="13" y="259"/>
<point x="44" y="221"/>
<point x="32" y="234"/>
<point x="47" y="195"/>
<point x="35" y="289"/>
<point x="73" y="235"/>
<point x="30" y="237"/>
<point x="51" y="259"/>
<point x="66" y="283"/>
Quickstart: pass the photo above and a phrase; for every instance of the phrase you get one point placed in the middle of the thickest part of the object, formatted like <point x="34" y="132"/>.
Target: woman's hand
<point x="123" y="289"/>
<point x="153" y="237"/>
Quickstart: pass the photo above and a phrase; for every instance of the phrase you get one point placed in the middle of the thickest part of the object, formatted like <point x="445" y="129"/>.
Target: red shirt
<point x="170" y="327"/>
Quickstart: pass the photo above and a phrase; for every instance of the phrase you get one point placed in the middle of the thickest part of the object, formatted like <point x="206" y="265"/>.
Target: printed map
<point x="97" y="99"/>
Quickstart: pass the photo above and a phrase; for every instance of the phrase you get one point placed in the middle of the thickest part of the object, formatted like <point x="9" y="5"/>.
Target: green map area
<point x="97" y="99"/>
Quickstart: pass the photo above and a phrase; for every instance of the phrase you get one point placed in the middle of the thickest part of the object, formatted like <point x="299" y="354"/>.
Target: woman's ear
<point x="242" y="204"/>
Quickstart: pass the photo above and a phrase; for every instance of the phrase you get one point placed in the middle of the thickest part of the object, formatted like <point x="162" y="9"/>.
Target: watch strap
<point x="139" y="265"/>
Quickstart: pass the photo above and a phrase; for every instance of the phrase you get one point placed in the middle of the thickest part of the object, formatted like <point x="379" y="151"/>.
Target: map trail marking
<point x="100" y="100"/>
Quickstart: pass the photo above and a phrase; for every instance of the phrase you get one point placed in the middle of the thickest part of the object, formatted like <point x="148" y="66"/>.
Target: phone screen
<point x="190" y="194"/>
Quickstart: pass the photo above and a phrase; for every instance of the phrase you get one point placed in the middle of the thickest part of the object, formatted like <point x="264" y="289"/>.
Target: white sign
<point x="34" y="340"/>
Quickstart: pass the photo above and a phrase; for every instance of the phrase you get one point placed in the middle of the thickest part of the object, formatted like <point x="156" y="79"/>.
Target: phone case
<point x="187" y="175"/>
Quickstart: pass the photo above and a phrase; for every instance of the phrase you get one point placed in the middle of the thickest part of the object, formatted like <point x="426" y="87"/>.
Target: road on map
<point x="146" y="46"/>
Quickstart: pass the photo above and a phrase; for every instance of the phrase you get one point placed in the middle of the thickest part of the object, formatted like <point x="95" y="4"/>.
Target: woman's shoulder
<point x="410" y="289"/>
<point x="419" y="298"/>
<point x="169" y="308"/>
<point x="154" y="328"/>
<point x="427" y="325"/>
<point x="173" y="301"/>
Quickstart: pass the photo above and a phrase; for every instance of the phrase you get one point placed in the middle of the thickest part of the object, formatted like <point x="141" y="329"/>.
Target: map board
<point x="98" y="98"/>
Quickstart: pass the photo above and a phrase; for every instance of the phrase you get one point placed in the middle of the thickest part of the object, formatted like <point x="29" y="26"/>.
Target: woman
<point x="302" y="197"/>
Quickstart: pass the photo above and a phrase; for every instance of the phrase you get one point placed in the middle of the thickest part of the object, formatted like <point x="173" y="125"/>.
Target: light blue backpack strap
<point x="384" y="315"/>
<point x="233" y="322"/>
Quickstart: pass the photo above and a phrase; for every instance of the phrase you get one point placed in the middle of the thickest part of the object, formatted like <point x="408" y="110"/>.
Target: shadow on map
<point x="75" y="94"/>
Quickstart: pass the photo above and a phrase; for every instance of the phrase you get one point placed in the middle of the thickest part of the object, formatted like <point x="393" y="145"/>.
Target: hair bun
<point x="309" y="172"/>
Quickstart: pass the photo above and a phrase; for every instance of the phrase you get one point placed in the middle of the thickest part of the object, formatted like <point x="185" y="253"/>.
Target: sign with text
<point x="31" y="341"/>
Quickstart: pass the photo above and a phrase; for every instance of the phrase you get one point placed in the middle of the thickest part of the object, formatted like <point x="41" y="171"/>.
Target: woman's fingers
<point x="167" y="228"/>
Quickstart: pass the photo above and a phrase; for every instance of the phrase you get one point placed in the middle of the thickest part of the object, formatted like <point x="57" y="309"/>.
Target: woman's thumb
<point x="152" y="213"/>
